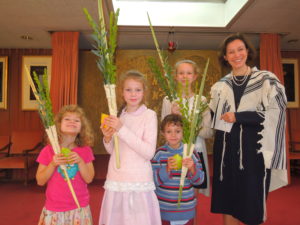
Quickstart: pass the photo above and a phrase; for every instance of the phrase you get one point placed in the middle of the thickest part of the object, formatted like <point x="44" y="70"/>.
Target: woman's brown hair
<point x="231" y="38"/>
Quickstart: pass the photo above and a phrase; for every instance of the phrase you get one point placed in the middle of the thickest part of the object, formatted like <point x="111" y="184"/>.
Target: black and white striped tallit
<point x="266" y="95"/>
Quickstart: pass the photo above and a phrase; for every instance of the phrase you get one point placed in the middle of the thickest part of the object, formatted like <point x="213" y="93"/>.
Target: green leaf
<point x="45" y="104"/>
<point x="106" y="43"/>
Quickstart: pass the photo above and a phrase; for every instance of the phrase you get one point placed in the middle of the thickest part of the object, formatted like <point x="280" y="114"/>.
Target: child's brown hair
<point x="86" y="134"/>
<point x="171" y="119"/>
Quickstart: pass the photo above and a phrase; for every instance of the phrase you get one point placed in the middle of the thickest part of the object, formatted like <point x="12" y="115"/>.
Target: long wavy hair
<point x="86" y="134"/>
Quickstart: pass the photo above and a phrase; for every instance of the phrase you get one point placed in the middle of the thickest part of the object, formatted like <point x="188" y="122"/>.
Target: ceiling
<point x="38" y="18"/>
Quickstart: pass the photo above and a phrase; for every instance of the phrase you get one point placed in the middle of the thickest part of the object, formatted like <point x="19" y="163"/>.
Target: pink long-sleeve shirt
<point x="137" y="145"/>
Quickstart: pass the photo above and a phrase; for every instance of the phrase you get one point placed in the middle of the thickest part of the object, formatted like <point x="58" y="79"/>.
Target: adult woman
<point x="249" y="118"/>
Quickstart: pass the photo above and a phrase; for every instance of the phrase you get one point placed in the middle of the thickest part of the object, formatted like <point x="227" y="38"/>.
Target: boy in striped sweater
<point x="167" y="175"/>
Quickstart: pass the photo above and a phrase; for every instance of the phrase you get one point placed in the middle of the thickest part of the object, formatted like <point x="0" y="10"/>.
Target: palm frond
<point x="165" y="78"/>
<point x="44" y="103"/>
<point x="105" y="43"/>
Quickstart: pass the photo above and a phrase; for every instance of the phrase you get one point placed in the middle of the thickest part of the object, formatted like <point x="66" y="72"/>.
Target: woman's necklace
<point x="240" y="82"/>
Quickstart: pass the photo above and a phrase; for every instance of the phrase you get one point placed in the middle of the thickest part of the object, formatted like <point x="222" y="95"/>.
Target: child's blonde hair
<point x="137" y="76"/>
<point x="86" y="135"/>
<point x="192" y="63"/>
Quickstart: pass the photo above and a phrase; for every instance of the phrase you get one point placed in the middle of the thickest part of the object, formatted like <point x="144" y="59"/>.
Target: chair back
<point x="23" y="140"/>
<point x="4" y="140"/>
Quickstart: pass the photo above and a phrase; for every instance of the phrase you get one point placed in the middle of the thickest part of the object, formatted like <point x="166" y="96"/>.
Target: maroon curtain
<point x="270" y="55"/>
<point x="64" y="77"/>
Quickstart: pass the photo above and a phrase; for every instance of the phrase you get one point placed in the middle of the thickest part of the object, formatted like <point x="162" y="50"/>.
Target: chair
<point x="294" y="146"/>
<point x="21" y="152"/>
<point x="295" y="151"/>
<point x="4" y="145"/>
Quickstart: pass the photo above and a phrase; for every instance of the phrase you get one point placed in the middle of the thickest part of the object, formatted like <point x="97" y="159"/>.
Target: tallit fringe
<point x="264" y="198"/>
<point x="223" y="153"/>
<point x="241" y="146"/>
<point x="262" y="133"/>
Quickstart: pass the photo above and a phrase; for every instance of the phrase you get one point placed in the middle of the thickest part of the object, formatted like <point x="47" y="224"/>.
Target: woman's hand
<point x="189" y="163"/>
<point x="229" y="117"/>
<point x="171" y="164"/>
<point x="113" y="122"/>
<point x="175" y="109"/>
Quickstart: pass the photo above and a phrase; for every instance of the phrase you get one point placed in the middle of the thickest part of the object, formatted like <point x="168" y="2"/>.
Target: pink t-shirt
<point x="58" y="195"/>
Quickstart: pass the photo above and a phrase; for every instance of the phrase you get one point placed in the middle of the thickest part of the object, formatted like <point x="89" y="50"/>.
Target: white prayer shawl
<point x="266" y="95"/>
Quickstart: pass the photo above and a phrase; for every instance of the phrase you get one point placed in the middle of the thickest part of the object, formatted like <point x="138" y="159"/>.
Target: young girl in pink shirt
<point x="74" y="132"/>
<point x="129" y="197"/>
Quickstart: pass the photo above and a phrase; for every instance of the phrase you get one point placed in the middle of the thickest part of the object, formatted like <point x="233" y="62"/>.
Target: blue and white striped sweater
<point x="167" y="185"/>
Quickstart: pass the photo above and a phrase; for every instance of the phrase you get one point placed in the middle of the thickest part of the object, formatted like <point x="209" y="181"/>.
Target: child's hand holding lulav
<point x="113" y="122"/>
<point x="74" y="158"/>
<point x="59" y="159"/>
<point x="175" y="109"/>
<point x="171" y="164"/>
<point x="108" y="132"/>
<point x="189" y="163"/>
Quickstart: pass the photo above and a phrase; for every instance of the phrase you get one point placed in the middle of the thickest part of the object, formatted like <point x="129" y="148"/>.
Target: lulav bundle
<point x="165" y="78"/>
<point x="191" y="125"/>
<point x="42" y="95"/>
<point x="44" y="102"/>
<point x="105" y="48"/>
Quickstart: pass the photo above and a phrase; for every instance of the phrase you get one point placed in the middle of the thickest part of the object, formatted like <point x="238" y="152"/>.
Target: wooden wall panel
<point x="14" y="118"/>
<point x="91" y="94"/>
<point x="294" y="113"/>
